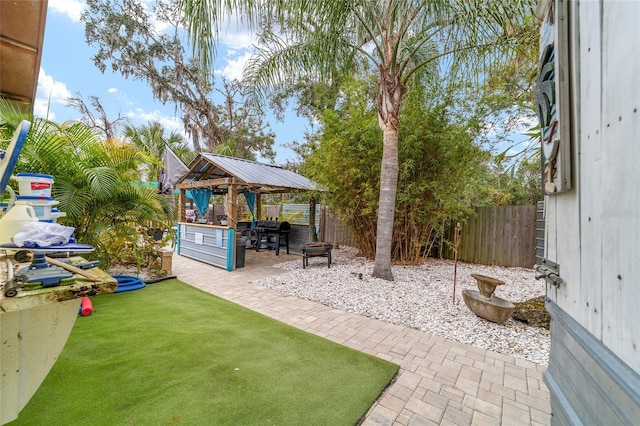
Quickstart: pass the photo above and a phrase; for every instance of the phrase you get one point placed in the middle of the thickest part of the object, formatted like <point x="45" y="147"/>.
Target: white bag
<point x="42" y="234"/>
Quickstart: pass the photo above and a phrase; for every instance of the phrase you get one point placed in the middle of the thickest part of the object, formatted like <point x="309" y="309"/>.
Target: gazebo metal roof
<point x="218" y="172"/>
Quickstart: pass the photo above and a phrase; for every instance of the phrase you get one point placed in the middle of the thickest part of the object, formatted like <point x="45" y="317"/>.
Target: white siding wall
<point x="620" y="184"/>
<point x="593" y="231"/>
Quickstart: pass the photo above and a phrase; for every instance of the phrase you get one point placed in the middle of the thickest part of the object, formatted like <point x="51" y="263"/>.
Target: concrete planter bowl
<point x="484" y="303"/>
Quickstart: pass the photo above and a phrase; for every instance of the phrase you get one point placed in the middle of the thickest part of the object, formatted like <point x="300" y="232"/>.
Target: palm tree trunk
<point x="388" y="100"/>
<point x="387" y="203"/>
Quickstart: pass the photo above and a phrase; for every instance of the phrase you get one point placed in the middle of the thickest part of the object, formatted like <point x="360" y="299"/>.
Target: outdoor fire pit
<point x="318" y="249"/>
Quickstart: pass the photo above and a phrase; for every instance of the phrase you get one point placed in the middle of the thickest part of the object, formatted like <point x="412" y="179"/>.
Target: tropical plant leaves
<point x="96" y="182"/>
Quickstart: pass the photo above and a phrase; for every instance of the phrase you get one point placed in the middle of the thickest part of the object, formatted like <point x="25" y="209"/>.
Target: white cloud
<point x="72" y="8"/>
<point x="112" y="90"/>
<point x="49" y="92"/>
<point x="41" y="109"/>
<point x="139" y="116"/>
<point x="235" y="32"/>
<point x="237" y="39"/>
<point x="234" y="67"/>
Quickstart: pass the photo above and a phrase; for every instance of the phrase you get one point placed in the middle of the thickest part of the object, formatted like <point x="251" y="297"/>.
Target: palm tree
<point x="150" y="139"/>
<point x="401" y="39"/>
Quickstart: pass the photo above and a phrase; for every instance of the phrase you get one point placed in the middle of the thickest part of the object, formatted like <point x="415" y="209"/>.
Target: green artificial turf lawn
<point x="172" y="354"/>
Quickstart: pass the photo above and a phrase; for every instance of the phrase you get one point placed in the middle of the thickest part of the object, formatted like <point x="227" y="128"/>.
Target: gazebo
<point x="211" y="174"/>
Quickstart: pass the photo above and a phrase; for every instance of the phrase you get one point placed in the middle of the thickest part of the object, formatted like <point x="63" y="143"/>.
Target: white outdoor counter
<point x="212" y="244"/>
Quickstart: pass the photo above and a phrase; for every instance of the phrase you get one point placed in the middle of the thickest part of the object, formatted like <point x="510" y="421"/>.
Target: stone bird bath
<point x="484" y="303"/>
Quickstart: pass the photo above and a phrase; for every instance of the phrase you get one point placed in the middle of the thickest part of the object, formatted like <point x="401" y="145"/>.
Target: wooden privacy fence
<point x="333" y="230"/>
<point x="503" y="236"/>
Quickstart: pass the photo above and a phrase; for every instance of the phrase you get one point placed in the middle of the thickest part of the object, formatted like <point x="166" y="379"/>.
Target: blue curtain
<point x="251" y="202"/>
<point x="201" y="196"/>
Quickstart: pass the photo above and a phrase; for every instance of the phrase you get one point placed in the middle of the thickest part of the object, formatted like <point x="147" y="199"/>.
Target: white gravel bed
<point x="420" y="297"/>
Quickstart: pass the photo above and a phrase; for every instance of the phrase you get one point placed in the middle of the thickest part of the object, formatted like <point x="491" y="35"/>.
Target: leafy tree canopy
<point x="129" y="41"/>
<point x="442" y="171"/>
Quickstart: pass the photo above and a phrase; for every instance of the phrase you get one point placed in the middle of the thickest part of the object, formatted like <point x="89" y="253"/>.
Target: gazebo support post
<point x="232" y="222"/>
<point x="182" y="205"/>
<point x="258" y="206"/>
<point x="312" y="219"/>
<point x="232" y="206"/>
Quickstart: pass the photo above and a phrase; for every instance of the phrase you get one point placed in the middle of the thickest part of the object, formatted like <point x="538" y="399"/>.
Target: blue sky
<point x="67" y="70"/>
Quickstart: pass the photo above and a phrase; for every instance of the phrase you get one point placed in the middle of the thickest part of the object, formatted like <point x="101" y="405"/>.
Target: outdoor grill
<point x="270" y="233"/>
